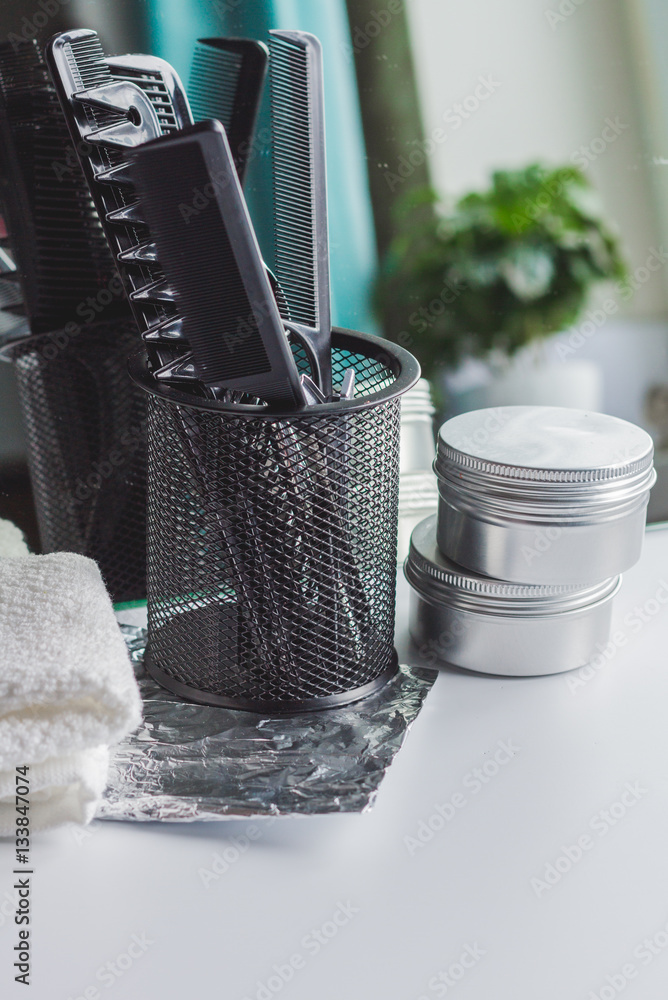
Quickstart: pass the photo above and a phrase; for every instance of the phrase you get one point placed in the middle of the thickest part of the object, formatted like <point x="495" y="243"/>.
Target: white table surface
<point x="467" y="891"/>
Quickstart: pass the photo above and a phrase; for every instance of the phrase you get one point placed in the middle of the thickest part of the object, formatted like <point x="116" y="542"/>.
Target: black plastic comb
<point x="60" y="249"/>
<point x="213" y="264"/>
<point x="112" y="105"/>
<point x="226" y="81"/>
<point x="300" y="193"/>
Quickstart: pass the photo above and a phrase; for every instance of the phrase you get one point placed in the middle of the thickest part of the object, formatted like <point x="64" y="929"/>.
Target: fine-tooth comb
<point x="60" y="249"/>
<point x="300" y="193"/>
<point x="112" y="105"/>
<point x="213" y="263"/>
<point x="226" y="81"/>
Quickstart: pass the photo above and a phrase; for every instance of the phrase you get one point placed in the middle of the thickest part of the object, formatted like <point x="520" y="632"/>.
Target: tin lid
<point x="543" y="444"/>
<point x="443" y="581"/>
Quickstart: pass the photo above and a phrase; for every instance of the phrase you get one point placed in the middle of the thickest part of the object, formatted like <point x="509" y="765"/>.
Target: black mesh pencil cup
<point x="272" y="539"/>
<point x="85" y="424"/>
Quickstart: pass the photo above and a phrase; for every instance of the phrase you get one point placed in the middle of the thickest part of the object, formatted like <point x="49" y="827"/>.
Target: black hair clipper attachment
<point x="226" y="82"/>
<point x="212" y="262"/>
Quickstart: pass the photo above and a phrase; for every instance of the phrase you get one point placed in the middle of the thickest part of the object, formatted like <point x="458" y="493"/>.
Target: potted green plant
<point x="502" y="269"/>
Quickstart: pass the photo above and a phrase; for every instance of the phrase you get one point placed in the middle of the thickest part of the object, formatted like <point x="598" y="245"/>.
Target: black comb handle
<point x="193" y="204"/>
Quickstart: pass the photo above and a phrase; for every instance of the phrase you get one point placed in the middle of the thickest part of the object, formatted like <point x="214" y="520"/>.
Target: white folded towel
<point x="67" y="687"/>
<point x="12" y="542"/>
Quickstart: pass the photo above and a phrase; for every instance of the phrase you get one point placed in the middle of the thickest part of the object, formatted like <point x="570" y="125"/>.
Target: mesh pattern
<point x="85" y="422"/>
<point x="272" y="546"/>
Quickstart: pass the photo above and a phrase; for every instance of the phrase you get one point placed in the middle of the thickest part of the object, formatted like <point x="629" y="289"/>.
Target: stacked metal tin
<point x="540" y="511"/>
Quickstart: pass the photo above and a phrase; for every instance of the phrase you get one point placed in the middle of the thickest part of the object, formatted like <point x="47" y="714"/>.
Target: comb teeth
<point x="226" y="83"/>
<point x="179" y="370"/>
<point x="127" y="214"/>
<point x="213" y="83"/>
<point x="169" y="331"/>
<point x="86" y="59"/>
<point x="144" y="253"/>
<point x="294" y="196"/>
<point x="115" y="175"/>
<point x="159" y="291"/>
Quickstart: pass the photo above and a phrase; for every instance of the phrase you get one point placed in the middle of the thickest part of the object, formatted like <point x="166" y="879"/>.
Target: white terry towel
<point x="67" y="687"/>
<point x="12" y="542"/>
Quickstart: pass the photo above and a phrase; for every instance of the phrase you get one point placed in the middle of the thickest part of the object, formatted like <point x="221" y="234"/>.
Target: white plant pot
<point x="524" y="381"/>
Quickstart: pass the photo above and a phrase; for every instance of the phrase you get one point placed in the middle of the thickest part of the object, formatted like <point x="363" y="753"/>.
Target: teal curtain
<point x="174" y="27"/>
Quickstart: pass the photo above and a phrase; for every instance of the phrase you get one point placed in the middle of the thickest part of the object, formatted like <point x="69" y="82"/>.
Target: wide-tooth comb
<point x="112" y="105"/>
<point x="226" y="81"/>
<point x="213" y="262"/>
<point x="59" y="245"/>
<point x="300" y="192"/>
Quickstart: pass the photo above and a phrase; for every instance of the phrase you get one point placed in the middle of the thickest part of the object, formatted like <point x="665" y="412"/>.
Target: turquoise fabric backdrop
<point x="174" y="27"/>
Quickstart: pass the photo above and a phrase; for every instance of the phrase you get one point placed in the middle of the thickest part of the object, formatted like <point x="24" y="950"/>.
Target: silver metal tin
<point x="543" y="494"/>
<point x="495" y="627"/>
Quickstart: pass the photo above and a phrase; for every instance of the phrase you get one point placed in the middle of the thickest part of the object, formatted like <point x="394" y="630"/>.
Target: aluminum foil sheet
<point x="189" y="763"/>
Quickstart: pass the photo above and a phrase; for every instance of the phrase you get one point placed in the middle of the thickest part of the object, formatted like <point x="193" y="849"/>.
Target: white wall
<point x="556" y="82"/>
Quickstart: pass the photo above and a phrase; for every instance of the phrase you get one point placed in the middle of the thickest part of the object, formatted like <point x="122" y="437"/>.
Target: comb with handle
<point x="212" y="262"/>
<point x="300" y="193"/>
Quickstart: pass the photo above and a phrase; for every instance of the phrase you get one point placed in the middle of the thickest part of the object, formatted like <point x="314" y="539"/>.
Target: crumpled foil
<point x="189" y="762"/>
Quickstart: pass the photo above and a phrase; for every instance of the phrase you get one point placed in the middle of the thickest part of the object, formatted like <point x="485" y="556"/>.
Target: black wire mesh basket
<point x="272" y="539"/>
<point x="85" y="424"/>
